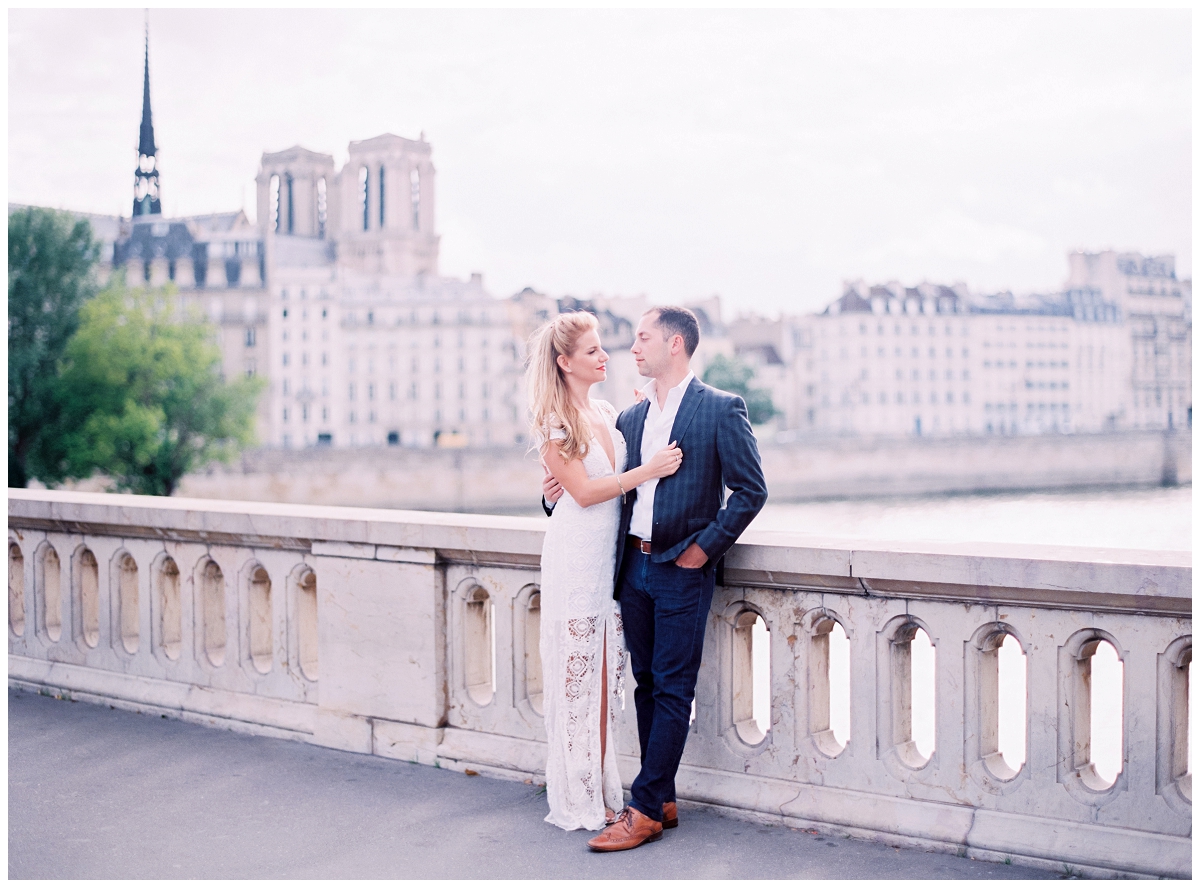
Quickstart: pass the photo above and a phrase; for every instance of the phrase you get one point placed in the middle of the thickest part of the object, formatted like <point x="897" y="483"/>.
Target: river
<point x="1131" y="518"/>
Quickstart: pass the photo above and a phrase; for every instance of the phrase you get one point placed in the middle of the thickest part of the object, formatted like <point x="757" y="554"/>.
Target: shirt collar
<point x="649" y="390"/>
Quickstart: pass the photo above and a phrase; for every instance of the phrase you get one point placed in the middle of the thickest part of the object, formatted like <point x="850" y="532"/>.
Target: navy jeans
<point x="664" y="609"/>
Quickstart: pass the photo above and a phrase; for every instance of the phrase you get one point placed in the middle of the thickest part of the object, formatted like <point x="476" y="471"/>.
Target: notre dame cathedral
<point x="334" y="296"/>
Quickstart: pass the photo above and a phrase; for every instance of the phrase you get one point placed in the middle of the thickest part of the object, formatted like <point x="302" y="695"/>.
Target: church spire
<point x="145" y="179"/>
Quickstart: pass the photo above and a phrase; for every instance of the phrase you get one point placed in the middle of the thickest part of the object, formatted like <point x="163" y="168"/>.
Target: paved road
<point x="95" y="792"/>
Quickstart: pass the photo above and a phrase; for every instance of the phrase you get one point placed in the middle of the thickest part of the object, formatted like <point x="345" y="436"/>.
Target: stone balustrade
<point x="414" y="636"/>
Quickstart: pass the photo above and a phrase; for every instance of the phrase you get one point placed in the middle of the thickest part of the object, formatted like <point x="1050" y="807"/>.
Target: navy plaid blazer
<point x="719" y="452"/>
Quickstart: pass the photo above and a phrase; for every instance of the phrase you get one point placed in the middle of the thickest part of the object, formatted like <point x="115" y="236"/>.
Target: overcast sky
<point x="762" y="156"/>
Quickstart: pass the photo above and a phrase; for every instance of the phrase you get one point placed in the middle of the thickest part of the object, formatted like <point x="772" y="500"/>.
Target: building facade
<point x="1157" y="308"/>
<point x="369" y="344"/>
<point x="1111" y="351"/>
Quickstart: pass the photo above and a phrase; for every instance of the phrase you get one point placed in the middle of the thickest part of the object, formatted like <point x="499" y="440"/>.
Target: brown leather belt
<point x="641" y="545"/>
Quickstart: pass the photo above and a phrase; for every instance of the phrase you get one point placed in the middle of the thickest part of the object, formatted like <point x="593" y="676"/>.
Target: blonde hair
<point x="549" y="398"/>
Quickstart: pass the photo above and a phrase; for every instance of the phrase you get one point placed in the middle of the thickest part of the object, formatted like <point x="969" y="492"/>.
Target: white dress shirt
<point x="656" y="434"/>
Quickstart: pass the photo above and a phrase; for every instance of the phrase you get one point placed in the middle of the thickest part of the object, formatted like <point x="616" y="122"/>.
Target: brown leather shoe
<point x="632" y="828"/>
<point x="670" y="815"/>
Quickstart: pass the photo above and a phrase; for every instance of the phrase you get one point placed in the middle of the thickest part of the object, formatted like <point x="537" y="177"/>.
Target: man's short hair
<point x="673" y="319"/>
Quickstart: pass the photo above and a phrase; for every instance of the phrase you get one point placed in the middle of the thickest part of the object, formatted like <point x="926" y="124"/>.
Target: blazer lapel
<point x="687" y="409"/>
<point x="633" y="441"/>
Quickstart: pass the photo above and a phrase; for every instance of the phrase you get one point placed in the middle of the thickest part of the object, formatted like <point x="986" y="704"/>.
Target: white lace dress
<point x="579" y="617"/>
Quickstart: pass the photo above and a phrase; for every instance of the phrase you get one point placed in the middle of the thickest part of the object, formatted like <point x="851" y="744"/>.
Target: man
<point x="674" y="532"/>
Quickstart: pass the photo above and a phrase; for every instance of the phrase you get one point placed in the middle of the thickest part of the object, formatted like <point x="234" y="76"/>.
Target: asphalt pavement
<point x="100" y="793"/>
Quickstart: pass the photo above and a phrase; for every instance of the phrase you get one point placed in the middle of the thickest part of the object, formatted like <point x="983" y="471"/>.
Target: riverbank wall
<point x="507" y="481"/>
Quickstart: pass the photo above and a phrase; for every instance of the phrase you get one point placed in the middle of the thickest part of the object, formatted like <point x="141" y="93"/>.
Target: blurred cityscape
<point x="334" y="296"/>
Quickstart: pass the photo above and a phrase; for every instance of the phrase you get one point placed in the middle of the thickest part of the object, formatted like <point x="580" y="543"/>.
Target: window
<point x="415" y="181"/>
<point x="274" y="198"/>
<point x="291" y="206"/>
<point x="382" y="192"/>
<point x="251" y="337"/>
<point x="364" y="196"/>
<point x="322" y="207"/>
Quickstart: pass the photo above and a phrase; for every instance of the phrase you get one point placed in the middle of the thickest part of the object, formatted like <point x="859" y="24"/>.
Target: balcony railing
<point x="415" y="636"/>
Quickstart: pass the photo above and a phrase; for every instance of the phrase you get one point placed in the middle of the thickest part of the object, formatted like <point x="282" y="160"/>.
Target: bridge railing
<point x="414" y="636"/>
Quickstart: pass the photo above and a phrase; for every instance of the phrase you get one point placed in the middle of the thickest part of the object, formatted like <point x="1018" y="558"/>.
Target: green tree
<point x="733" y="376"/>
<point x="144" y="396"/>
<point x="50" y="275"/>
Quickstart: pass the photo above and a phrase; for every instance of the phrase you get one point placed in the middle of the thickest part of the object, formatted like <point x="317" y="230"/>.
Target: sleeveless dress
<point x="579" y="620"/>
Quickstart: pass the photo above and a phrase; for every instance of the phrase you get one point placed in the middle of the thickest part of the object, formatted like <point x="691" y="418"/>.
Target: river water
<point x="1130" y="518"/>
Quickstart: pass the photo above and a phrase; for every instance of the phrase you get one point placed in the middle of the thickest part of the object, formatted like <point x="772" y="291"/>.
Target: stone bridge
<point x="413" y="636"/>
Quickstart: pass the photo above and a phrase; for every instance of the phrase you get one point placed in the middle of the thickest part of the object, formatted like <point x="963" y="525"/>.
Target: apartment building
<point x="888" y="359"/>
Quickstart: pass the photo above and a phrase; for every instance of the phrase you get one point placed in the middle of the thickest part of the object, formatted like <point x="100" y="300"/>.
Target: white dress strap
<point x="608" y="411"/>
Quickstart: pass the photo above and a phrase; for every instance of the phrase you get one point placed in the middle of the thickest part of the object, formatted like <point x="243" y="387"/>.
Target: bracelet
<point x="620" y="485"/>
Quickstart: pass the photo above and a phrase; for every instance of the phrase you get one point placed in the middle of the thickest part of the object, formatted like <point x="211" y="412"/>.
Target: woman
<point x="583" y="654"/>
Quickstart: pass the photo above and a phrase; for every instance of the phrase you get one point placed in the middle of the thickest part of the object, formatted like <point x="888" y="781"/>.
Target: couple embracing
<point x="639" y="524"/>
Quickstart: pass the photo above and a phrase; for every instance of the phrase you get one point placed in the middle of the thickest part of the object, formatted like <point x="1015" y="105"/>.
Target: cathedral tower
<point x="145" y="180"/>
<point x="294" y="187"/>
<point x="386" y="202"/>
